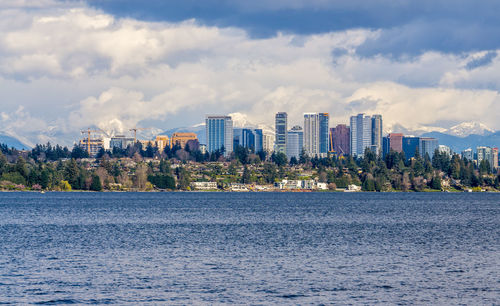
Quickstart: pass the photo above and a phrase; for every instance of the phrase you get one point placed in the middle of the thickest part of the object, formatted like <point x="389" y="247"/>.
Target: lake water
<point x="249" y="248"/>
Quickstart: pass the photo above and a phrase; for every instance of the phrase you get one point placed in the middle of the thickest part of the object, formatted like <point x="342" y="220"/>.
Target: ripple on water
<point x="253" y="248"/>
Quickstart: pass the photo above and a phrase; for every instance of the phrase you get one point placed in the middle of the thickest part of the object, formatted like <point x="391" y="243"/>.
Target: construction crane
<point x="135" y="132"/>
<point x="88" y="132"/>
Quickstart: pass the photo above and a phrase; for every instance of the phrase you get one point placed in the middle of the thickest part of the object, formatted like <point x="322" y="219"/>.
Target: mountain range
<point x="13" y="142"/>
<point x="458" y="138"/>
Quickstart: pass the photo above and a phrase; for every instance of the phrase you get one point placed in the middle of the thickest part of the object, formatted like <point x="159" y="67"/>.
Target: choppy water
<point x="249" y="248"/>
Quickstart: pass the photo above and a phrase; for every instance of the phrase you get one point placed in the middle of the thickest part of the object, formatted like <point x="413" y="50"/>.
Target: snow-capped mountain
<point x="416" y="131"/>
<point x="465" y="129"/>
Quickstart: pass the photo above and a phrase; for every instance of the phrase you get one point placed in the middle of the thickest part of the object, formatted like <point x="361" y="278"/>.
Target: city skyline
<point x="69" y="65"/>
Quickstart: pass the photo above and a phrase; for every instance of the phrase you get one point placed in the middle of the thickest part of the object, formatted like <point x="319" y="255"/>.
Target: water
<point x="249" y="248"/>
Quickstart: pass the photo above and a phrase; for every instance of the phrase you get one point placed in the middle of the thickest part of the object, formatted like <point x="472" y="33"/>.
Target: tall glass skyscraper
<point x="281" y="132"/>
<point x="311" y="134"/>
<point x="361" y="134"/>
<point x="428" y="145"/>
<point x="295" y="142"/>
<point x="219" y="130"/>
<point x="377" y="133"/>
<point x="323" y="133"/>
<point x="410" y="145"/>
<point x="316" y="134"/>
<point x="248" y="138"/>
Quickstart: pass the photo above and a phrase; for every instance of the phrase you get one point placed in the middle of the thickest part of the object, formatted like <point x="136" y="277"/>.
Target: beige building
<point x="182" y="138"/>
<point x="162" y="141"/>
<point x="159" y="142"/>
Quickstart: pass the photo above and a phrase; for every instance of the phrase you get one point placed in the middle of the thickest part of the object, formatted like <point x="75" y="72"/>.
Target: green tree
<point x="21" y="167"/>
<point x="484" y="167"/>
<point x="279" y="159"/>
<point x="269" y="173"/>
<point x="162" y="181"/>
<point x="96" y="183"/>
<point x="14" y="177"/>
<point x="245" y="178"/>
<point x="436" y="182"/>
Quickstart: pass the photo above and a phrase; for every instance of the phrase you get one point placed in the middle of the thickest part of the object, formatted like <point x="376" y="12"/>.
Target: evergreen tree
<point x="436" y="182"/>
<point x="96" y="183"/>
<point x="245" y="178"/>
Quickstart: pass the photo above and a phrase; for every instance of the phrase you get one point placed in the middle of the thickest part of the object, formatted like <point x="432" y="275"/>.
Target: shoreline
<point x="229" y="191"/>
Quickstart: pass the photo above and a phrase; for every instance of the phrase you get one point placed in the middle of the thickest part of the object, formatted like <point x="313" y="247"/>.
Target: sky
<point x="116" y="64"/>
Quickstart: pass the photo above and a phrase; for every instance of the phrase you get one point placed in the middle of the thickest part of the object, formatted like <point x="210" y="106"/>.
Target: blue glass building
<point x="219" y="131"/>
<point x="324" y="128"/>
<point x="410" y="145"/>
<point x="248" y="138"/>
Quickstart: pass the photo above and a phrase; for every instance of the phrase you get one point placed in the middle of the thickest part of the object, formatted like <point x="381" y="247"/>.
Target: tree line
<point x="48" y="167"/>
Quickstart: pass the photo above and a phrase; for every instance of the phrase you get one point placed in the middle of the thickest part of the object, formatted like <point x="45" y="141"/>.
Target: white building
<point x="361" y="134"/>
<point x="204" y="185"/>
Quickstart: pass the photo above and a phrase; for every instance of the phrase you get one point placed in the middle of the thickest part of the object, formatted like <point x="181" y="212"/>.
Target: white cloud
<point x="96" y="70"/>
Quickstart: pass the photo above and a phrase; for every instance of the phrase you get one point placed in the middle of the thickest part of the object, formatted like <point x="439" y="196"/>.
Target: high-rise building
<point x="281" y="122"/>
<point x="219" y="130"/>
<point x="339" y="139"/>
<point x="427" y="146"/>
<point x="295" y="142"/>
<point x="396" y="142"/>
<point x="248" y="138"/>
<point x="311" y="134"/>
<point x="468" y="154"/>
<point x="361" y="134"/>
<point x="323" y="133"/>
<point x="410" y="146"/>
<point x="444" y="149"/>
<point x="377" y="133"/>
<point x="267" y="142"/>
<point x="494" y="153"/>
<point x="386" y="146"/>
<point x="485" y="153"/>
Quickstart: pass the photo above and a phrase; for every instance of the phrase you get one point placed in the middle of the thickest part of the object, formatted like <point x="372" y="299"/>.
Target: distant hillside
<point x="13" y="142"/>
<point x="459" y="144"/>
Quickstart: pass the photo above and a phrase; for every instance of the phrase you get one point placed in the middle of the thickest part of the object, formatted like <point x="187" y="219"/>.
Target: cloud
<point x="482" y="60"/>
<point x="78" y="67"/>
<point x="407" y="27"/>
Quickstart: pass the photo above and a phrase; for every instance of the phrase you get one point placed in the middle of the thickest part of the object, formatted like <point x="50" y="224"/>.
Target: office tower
<point x="396" y="142"/>
<point x="340" y="139"/>
<point x="485" y="153"/>
<point x="386" y="146"/>
<point x="180" y="139"/>
<point x="377" y="134"/>
<point x="410" y="146"/>
<point x="267" y="142"/>
<point x="311" y="134"/>
<point x="427" y="146"/>
<point x="219" y="131"/>
<point x="248" y="138"/>
<point x="444" y="149"/>
<point x="281" y="132"/>
<point x="494" y="156"/>
<point x="361" y="134"/>
<point x="295" y="142"/>
<point x="258" y="136"/>
<point x="468" y="154"/>
<point x="323" y="133"/>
